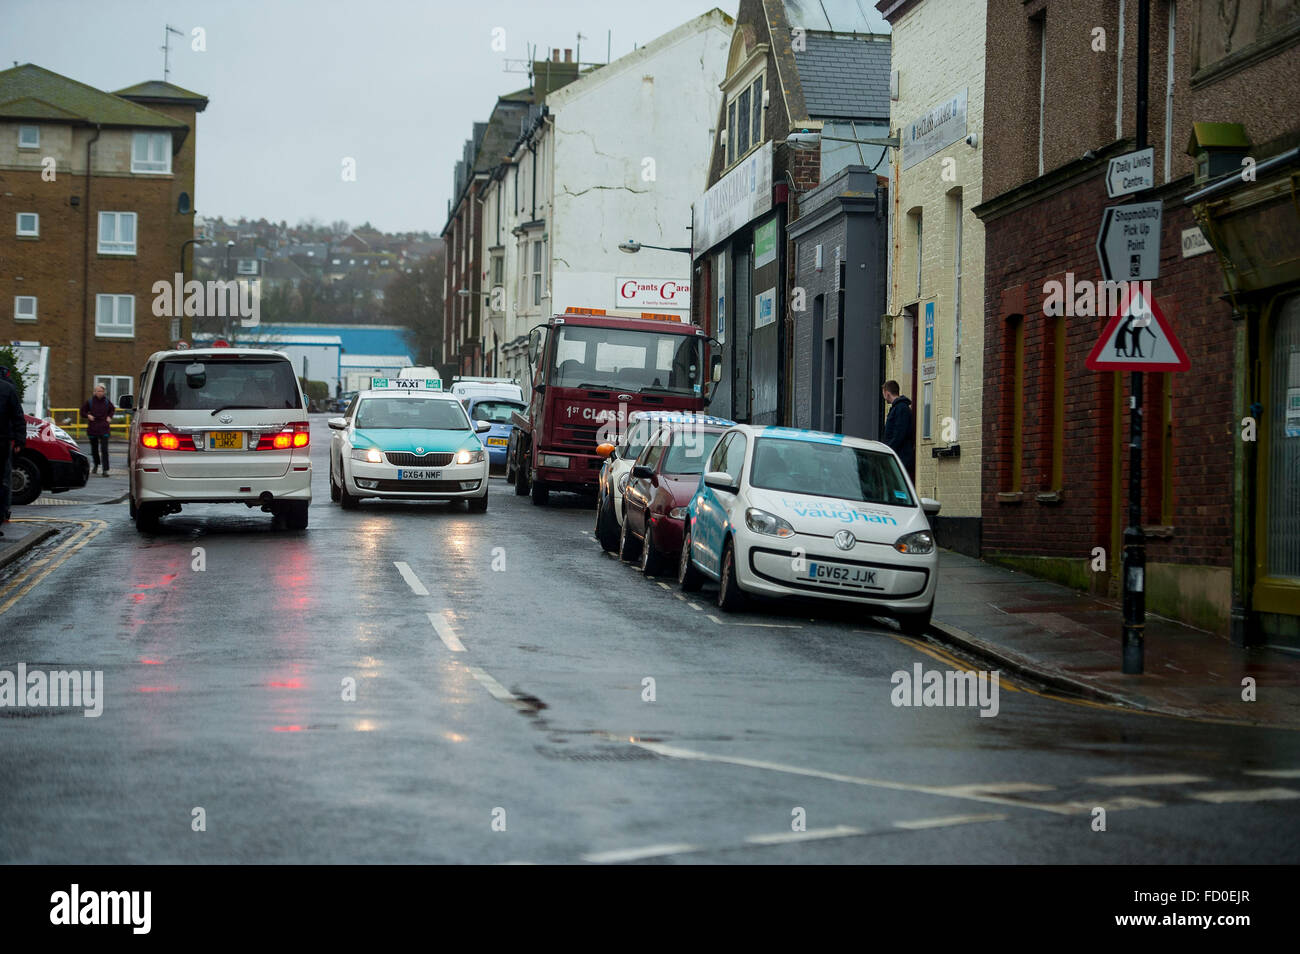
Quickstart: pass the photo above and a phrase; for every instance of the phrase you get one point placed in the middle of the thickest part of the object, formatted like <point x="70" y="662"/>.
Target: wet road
<point x="501" y="713"/>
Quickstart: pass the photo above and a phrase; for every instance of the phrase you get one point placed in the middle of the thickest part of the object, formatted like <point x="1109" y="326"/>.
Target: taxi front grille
<point x="426" y="486"/>
<point x="415" y="460"/>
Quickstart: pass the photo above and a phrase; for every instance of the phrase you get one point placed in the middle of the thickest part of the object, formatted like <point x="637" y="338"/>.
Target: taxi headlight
<point x="760" y="521"/>
<point x="922" y="541"/>
<point x="371" y="455"/>
<point x="469" y="456"/>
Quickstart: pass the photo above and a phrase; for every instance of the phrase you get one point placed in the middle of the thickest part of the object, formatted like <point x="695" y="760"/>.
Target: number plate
<point x="419" y="474"/>
<point x="226" y="440"/>
<point x="844" y="575"/>
<point x="498" y="441"/>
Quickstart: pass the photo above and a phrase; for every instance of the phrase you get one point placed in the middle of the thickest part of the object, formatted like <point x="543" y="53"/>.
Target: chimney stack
<point x="555" y="55"/>
<point x="568" y="56"/>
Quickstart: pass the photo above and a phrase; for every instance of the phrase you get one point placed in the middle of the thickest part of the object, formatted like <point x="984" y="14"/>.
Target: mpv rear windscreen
<point x="233" y="383"/>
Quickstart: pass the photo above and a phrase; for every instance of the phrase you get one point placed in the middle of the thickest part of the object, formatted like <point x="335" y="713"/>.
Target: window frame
<point x="117" y="247"/>
<point x="34" y="232"/>
<point x="35" y="308"/>
<point x="147" y="166"/>
<point x="99" y="324"/>
<point x="29" y="145"/>
<point x="754" y="81"/>
<point x="110" y="381"/>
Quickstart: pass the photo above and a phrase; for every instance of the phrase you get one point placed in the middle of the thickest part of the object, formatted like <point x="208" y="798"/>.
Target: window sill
<point x="102" y="334"/>
<point x="27" y="236"/>
<point x="1010" y="497"/>
<point x="952" y="450"/>
<point x="25" y="321"/>
<point x="1051" y="497"/>
<point x="107" y="254"/>
<point x="151" y="172"/>
<point x="1158" y="531"/>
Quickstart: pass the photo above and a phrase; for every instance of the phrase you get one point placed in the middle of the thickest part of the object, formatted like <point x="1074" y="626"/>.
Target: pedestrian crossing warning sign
<point x="1138" y="337"/>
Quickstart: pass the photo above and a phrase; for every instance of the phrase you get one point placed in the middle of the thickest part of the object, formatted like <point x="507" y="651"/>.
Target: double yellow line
<point x="32" y="574"/>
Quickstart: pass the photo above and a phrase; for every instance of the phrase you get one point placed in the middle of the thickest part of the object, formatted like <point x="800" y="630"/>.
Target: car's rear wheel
<point x="147" y="517"/>
<point x="730" y="597"/>
<point x="606" y="525"/>
<point x="688" y="578"/>
<point x="629" y="547"/>
<point x="295" y="514"/>
<point x="652" y="561"/>
<point x="477" y="504"/>
<point x="915" y="624"/>
<point x="25" y="481"/>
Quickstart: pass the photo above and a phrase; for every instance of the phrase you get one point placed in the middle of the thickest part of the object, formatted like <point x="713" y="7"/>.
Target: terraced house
<point x="96" y="204"/>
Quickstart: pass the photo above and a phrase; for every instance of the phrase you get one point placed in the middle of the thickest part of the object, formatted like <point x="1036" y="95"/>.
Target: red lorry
<point x="591" y="369"/>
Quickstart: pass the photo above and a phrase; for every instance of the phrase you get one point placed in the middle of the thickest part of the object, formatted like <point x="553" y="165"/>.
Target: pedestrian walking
<point x="900" y="429"/>
<point x="13" y="430"/>
<point x="99" y="413"/>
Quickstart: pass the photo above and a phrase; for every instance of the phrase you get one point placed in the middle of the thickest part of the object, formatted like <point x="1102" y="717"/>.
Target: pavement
<point x="1072" y="641"/>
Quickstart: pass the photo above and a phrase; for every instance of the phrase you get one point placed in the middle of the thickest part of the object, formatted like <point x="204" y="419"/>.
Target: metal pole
<point x="1135" y="557"/>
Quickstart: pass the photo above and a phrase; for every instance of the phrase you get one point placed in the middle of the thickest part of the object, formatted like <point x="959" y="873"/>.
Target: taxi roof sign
<point x="406" y="384"/>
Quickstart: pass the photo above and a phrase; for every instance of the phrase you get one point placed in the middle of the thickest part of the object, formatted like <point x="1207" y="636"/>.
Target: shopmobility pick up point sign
<point x="1129" y="242"/>
<point x="1138" y="337"/>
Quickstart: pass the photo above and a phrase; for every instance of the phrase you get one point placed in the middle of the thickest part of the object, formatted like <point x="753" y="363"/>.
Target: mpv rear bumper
<point x="157" y="486"/>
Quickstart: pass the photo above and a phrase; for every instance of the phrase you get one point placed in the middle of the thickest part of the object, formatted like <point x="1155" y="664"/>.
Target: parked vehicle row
<point x="772" y="512"/>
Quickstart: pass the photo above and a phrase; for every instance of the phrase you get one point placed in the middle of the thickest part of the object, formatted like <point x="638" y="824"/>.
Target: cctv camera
<point x="972" y="140"/>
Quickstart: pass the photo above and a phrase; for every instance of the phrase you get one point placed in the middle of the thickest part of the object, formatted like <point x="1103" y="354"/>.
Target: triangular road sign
<point x="1138" y="337"/>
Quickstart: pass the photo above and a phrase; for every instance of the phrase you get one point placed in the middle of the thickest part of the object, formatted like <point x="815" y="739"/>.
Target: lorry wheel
<point x="25" y="481"/>
<point x="541" y="493"/>
<point x="521" y="479"/>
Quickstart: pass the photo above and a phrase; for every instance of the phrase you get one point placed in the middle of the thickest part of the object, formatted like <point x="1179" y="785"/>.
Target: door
<point x="743" y="309"/>
<point x="1281" y="536"/>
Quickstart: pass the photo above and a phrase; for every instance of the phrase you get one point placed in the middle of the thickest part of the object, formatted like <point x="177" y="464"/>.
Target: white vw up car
<point x="218" y="425"/>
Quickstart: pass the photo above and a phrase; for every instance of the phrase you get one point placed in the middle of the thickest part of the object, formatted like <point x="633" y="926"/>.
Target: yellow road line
<point x="25" y="581"/>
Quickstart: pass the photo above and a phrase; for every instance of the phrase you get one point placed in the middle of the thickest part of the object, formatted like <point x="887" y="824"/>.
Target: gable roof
<point x="844" y="76"/>
<point x="32" y="92"/>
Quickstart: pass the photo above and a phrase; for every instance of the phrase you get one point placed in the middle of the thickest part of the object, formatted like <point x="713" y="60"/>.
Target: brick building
<point x="97" y="192"/>
<point x="1060" y="95"/>
<point x="792" y="68"/>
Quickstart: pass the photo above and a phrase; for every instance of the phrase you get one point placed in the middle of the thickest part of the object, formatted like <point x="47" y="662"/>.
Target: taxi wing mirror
<point x="721" y="480"/>
<point x="337" y="424"/>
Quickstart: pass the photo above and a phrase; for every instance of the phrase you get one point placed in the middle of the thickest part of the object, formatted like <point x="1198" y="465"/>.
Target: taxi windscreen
<point x="427" y="413"/>
<point x="829" y="470"/>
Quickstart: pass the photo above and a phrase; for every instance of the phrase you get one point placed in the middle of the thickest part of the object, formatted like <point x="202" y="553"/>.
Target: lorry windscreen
<point x="627" y="360"/>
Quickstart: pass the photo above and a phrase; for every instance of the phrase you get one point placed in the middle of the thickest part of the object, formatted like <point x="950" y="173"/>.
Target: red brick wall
<point x="1025" y="249"/>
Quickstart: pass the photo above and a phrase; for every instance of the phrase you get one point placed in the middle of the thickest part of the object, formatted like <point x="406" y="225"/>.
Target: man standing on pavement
<point x="900" y="431"/>
<point x="99" y="413"/>
<point x="13" y="429"/>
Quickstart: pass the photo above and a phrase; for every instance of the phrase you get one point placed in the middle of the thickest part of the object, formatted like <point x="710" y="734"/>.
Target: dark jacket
<point x="102" y="409"/>
<point x="13" y="425"/>
<point x="900" y="432"/>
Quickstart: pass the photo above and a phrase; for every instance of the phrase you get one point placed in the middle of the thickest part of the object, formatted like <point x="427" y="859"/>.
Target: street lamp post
<point x="184" y="245"/>
<point x="632" y="246"/>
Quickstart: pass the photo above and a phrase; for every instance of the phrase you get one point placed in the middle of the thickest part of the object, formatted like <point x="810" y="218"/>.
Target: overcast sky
<point x="295" y="86"/>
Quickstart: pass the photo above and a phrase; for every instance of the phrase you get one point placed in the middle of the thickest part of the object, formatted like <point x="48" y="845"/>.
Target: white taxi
<point x="405" y="439"/>
<point x="785" y="512"/>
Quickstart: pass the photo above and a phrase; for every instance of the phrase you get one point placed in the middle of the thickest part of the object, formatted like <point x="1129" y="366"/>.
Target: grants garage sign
<point x="652" y="293"/>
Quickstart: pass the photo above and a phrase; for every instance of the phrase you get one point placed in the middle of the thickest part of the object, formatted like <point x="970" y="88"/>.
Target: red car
<point x="662" y="482"/>
<point x="51" y="461"/>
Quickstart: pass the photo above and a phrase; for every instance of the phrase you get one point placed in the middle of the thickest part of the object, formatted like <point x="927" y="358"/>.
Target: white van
<point x="218" y="425"/>
<point x="418" y="374"/>
<point x="466" y="388"/>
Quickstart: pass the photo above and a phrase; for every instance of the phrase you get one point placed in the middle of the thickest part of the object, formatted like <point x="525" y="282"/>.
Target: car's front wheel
<point x="915" y="624"/>
<point x="688" y="578"/>
<point x="346" y="500"/>
<point x="652" y="560"/>
<point x="606" y="525"/>
<point x="629" y="548"/>
<point x="730" y="597"/>
<point x="477" y="504"/>
<point x="25" y="481"/>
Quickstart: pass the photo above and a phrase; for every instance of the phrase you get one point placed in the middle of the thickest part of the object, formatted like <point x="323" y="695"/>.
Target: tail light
<point x="297" y="434"/>
<point x="158" y="437"/>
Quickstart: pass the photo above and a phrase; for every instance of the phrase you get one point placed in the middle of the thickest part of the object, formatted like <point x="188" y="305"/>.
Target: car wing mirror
<point x="126" y="402"/>
<point x="605" y="450"/>
<point x="482" y="427"/>
<point x="337" y="423"/>
<point x="642" y="472"/>
<point x="720" y="480"/>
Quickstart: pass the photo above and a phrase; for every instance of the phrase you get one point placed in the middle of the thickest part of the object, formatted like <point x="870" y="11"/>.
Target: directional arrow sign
<point x="1138" y="337"/>
<point x="1129" y="242"/>
<point x="1131" y="172"/>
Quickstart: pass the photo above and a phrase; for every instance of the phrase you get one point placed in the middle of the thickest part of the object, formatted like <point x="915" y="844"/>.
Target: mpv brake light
<point x="157" y="437"/>
<point x="297" y="434"/>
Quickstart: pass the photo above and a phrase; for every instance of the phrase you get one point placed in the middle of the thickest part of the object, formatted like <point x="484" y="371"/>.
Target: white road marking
<point x="635" y="854"/>
<point x="1112" y="803"/>
<point x="446" y="632"/>
<point x="1247" y="795"/>
<point x="722" y="622"/>
<point x="1276" y="773"/>
<point x="1173" y="778"/>
<point x="917" y="824"/>
<point x="411" y="579"/>
<point x="664" y="585"/>
<point x="812" y="834"/>
<point x="491" y="685"/>
<point x="997" y="788"/>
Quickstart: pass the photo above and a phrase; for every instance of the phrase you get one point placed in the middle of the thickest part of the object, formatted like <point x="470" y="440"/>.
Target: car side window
<point x="719" y="457"/>
<point x="654" y="451"/>
<point x="736" y="456"/>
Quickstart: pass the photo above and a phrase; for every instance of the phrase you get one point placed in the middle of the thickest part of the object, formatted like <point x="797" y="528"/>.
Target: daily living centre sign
<point x="736" y="199"/>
